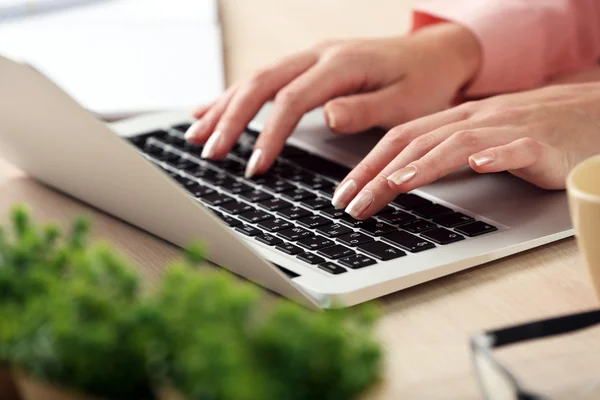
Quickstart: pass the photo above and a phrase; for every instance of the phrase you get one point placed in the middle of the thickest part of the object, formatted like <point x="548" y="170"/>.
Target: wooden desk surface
<point x="425" y="329"/>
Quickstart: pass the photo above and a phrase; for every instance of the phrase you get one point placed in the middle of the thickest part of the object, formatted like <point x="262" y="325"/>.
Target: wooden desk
<point x="426" y="328"/>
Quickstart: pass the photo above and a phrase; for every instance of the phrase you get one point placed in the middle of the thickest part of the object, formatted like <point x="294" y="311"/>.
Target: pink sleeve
<point x="525" y="43"/>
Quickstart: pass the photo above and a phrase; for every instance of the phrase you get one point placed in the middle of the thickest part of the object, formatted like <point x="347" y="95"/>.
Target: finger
<point x="447" y="157"/>
<point x="359" y="112"/>
<point x="322" y="82"/>
<point x="250" y="97"/>
<point x="403" y="144"/>
<point x="201" y="110"/>
<point x="201" y="129"/>
<point x="536" y="162"/>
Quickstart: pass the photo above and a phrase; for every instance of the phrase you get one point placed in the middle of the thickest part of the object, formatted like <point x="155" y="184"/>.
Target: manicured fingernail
<point x="360" y="203"/>
<point x="403" y="175"/>
<point x="343" y="194"/>
<point x="330" y="116"/>
<point x="253" y="163"/>
<point x="210" y="147"/>
<point x="196" y="129"/>
<point x="482" y="158"/>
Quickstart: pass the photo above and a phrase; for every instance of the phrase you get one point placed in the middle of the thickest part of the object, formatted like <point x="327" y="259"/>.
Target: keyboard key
<point x="218" y="179"/>
<point x="442" y="236"/>
<point x="418" y="226"/>
<point x="256" y="196"/>
<point x="232" y="166"/>
<point x="248" y="230"/>
<point x="236" y="207"/>
<point x="335" y="252"/>
<point x="268" y="239"/>
<point x="289" y="248"/>
<point x="354" y="239"/>
<point x="314" y="221"/>
<point x="409" y="201"/>
<point x="202" y="172"/>
<point x="295" y="233"/>
<point x="318" y="203"/>
<point x="327" y="191"/>
<point x="294" y="213"/>
<point x="315" y="242"/>
<point x="315" y="182"/>
<point x="432" y="210"/>
<point x="279" y="185"/>
<point x="381" y="251"/>
<point x="182" y="127"/>
<point x="377" y="228"/>
<point x="296" y="174"/>
<point x="293" y="152"/>
<point x="229" y="220"/>
<point x="236" y="187"/>
<point x="476" y="228"/>
<point x="310" y="258"/>
<point x="334" y="230"/>
<point x="298" y="195"/>
<point x="384" y="210"/>
<point x="408" y="242"/>
<point x="355" y="223"/>
<point x="275" y="225"/>
<point x="255" y="216"/>
<point x="202" y="191"/>
<point x="331" y="212"/>
<point x="397" y="217"/>
<point x="322" y="166"/>
<point x="216" y="199"/>
<point x="261" y="179"/>
<point x="183" y="164"/>
<point x="452" y="220"/>
<point x="167" y="156"/>
<point x="185" y="182"/>
<point x="332" y="268"/>
<point x="357" y="261"/>
<point x="274" y="204"/>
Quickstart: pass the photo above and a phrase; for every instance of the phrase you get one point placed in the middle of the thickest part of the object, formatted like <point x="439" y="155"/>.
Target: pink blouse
<point x="525" y="43"/>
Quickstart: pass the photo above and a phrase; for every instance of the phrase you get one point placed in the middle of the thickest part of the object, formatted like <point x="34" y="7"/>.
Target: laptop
<point x="278" y="230"/>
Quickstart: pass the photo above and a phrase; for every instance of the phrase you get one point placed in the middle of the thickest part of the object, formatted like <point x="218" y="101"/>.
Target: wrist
<point x="454" y="48"/>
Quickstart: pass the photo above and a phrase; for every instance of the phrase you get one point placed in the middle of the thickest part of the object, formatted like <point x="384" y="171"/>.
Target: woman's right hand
<point x="363" y="84"/>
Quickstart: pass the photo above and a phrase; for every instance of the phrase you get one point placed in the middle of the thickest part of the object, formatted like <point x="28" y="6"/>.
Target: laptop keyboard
<point x="289" y="208"/>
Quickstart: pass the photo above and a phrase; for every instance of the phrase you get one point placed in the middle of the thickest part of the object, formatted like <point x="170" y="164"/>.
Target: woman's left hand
<point x="538" y="136"/>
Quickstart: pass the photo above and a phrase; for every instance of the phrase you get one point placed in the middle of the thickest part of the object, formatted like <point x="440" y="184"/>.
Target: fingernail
<point x="482" y="158"/>
<point x="403" y="175"/>
<point x="253" y="163"/>
<point x="210" y="147"/>
<point x="343" y="194"/>
<point x="360" y="203"/>
<point x="330" y="116"/>
<point x="196" y="129"/>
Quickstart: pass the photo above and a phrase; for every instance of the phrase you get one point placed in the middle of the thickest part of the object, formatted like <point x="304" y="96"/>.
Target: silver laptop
<point x="278" y="230"/>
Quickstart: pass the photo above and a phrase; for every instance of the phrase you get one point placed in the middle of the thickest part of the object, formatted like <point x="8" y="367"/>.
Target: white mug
<point x="583" y="187"/>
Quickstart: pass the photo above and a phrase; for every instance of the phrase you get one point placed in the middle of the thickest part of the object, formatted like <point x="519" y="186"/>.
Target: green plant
<point x="73" y="312"/>
<point x="73" y="316"/>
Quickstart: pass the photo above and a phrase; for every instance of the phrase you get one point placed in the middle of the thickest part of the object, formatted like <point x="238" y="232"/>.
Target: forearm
<point x="525" y="44"/>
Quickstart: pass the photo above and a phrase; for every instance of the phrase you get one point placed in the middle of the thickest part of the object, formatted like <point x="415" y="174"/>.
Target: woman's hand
<point x="538" y="136"/>
<point x="365" y="83"/>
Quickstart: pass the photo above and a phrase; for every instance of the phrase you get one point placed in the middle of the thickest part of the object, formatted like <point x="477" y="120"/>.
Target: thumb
<point x="359" y="112"/>
<point x="543" y="165"/>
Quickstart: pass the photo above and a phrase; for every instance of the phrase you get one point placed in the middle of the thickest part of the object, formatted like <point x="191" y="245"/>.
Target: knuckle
<point x="421" y="144"/>
<point x="380" y="181"/>
<point x="260" y="77"/>
<point x="287" y="97"/>
<point x="468" y="109"/>
<point x="468" y="139"/>
<point x="396" y="137"/>
<point x="325" y="44"/>
<point x="365" y="169"/>
<point x="532" y="145"/>
<point x="343" y="52"/>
